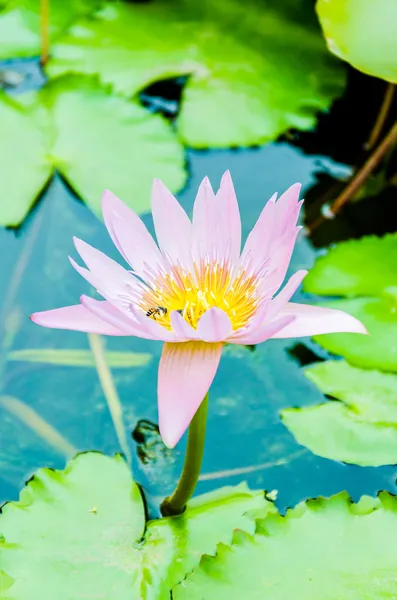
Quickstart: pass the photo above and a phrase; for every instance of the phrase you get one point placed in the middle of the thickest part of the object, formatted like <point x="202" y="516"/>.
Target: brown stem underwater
<point x="381" y="117"/>
<point x="360" y="176"/>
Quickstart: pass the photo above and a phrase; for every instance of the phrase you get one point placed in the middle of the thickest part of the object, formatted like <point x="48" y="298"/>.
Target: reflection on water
<point x="246" y="440"/>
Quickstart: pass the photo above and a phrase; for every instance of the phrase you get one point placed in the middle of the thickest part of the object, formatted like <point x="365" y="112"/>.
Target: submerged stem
<point x="176" y="503"/>
<point x="361" y="175"/>
<point x="382" y="116"/>
<point x="110" y="392"/>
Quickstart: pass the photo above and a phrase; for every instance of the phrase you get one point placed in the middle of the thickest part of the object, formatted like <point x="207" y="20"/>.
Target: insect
<point x="160" y="311"/>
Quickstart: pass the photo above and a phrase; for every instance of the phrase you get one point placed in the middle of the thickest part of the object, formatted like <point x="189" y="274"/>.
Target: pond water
<point x="246" y="439"/>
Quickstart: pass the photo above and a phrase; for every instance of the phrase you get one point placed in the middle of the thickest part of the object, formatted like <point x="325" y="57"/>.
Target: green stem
<point x="44" y="27"/>
<point x="176" y="503"/>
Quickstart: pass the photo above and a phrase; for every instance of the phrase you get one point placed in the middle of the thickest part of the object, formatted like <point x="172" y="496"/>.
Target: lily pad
<point x="364" y="271"/>
<point x="369" y="393"/>
<point x="20" y="23"/>
<point x="329" y="549"/>
<point x="362" y="32"/>
<point x="84" y="124"/>
<point x="361" y="428"/>
<point x="365" y="267"/>
<point x="23" y="150"/>
<point x="378" y="350"/>
<point x="80" y="533"/>
<point x="105" y="142"/>
<point x="242" y="63"/>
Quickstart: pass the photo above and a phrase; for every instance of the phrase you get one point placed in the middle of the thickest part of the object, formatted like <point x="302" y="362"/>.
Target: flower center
<point x="193" y="293"/>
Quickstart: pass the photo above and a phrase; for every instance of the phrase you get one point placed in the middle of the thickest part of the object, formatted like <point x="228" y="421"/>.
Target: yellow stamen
<point x="209" y="285"/>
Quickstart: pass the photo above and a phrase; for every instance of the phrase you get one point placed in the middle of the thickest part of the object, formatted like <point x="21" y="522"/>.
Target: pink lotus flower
<point x="196" y="290"/>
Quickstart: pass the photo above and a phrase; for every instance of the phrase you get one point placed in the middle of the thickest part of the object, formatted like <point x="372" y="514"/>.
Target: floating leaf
<point x="242" y="60"/>
<point x="210" y="519"/>
<point x="361" y="428"/>
<point x="82" y="534"/>
<point x="370" y="394"/>
<point x="79" y="358"/>
<point x="23" y="149"/>
<point x="364" y="268"/>
<point x="329" y="549"/>
<point x="20" y="23"/>
<point x="362" y="32"/>
<point x="84" y="124"/>
<point x="103" y="141"/>
<point x="378" y="350"/>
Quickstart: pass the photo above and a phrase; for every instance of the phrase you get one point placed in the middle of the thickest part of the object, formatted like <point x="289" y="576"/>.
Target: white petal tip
<point x="39" y="318"/>
<point x="110" y="202"/>
<point x="226" y="177"/>
<point x="296" y="187"/>
<point x="84" y="299"/>
<point x="206" y="182"/>
<point x="355" y="326"/>
<point x="349" y="324"/>
<point x="169" y="440"/>
<point x="77" y="241"/>
<point x="108" y="196"/>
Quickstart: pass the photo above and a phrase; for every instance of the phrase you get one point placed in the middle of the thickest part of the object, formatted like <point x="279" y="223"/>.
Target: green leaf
<point x="71" y="534"/>
<point x="20" y="23"/>
<point x="363" y="268"/>
<point x="361" y="428"/>
<point x="23" y="149"/>
<point x="79" y="358"/>
<point x="104" y="142"/>
<point x="362" y="32"/>
<point x="84" y="125"/>
<point x="378" y="350"/>
<point x="370" y="394"/>
<point x="81" y="533"/>
<point x="252" y="61"/>
<point x="210" y="519"/>
<point x="329" y="549"/>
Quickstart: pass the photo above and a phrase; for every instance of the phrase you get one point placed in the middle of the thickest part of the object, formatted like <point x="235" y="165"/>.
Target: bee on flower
<point x="196" y="289"/>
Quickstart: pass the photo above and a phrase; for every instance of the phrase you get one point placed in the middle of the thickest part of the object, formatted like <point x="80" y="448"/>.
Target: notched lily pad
<point x="326" y="548"/>
<point x="359" y="428"/>
<point x="81" y="533"/>
<point x="254" y="69"/>
<point x="96" y="140"/>
<point x="24" y="166"/>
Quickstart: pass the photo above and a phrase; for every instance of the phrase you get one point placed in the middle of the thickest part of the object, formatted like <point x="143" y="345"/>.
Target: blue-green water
<point x="246" y="439"/>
